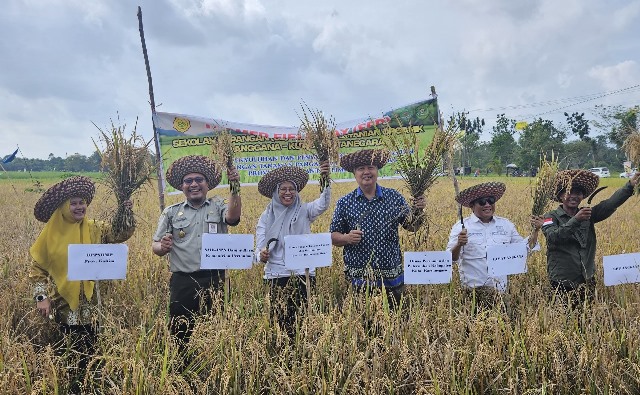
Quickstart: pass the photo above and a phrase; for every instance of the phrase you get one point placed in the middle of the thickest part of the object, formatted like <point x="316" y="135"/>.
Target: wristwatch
<point x="40" y="298"/>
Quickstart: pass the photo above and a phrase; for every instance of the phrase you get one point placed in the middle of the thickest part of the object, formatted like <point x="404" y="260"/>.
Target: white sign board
<point x="427" y="267"/>
<point x="505" y="259"/>
<point x="307" y="251"/>
<point x="225" y="251"/>
<point x="621" y="269"/>
<point x="97" y="261"/>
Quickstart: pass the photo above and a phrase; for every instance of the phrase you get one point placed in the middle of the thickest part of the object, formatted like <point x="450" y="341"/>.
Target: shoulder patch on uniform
<point x="547" y="222"/>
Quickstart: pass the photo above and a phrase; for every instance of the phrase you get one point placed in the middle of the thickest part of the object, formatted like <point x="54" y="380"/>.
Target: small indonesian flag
<point x="547" y="221"/>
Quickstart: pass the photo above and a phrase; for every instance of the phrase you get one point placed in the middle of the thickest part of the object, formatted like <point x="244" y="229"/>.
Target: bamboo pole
<point x="152" y="102"/>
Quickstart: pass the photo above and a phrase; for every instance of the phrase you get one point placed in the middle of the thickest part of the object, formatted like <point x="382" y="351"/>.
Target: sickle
<point x="590" y="198"/>
<point x="358" y="224"/>
<point x="271" y="240"/>
<point x="460" y="215"/>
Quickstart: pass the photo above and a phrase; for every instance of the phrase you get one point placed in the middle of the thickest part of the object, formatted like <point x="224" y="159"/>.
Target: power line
<point x="572" y="100"/>
<point x="624" y="90"/>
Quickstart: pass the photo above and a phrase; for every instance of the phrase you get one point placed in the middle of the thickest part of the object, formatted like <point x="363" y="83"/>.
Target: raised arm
<point x="234" y="208"/>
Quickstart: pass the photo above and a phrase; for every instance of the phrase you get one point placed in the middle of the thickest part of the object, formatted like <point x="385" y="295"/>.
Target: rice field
<point x="345" y="345"/>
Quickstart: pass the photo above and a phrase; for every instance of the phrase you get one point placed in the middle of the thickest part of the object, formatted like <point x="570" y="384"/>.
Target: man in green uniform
<point x="571" y="234"/>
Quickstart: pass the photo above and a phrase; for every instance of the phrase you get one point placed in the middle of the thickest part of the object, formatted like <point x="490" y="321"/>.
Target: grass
<point x="437" y="347"/>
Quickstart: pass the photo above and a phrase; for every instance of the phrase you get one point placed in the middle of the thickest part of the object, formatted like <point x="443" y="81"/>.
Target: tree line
<point x="595" y="143"/>
<point x="72" y="163"/>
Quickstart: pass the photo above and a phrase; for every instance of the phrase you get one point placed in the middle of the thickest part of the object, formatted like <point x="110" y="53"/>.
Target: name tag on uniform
<point x="213" y="227"/>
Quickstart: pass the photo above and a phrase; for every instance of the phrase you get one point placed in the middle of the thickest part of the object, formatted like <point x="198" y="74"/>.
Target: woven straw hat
<point x="467" y="196"/>
<point x="193" y="164"/>
<point x="270" y="181"/>
<point x="76" y="186"/>
<point x="578" y="178"/>
<point x="366" y="157"/>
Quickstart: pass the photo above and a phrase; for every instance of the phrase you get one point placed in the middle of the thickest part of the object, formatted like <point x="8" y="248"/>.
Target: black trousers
<point x="288" y="297"/>
<point x="191" y="295"/>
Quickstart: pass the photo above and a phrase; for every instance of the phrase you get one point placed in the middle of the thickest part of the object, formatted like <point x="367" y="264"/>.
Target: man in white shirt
<point x="468" y="243"/>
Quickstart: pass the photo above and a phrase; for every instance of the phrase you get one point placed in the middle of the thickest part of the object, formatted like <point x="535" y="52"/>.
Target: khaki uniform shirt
<point x="187" y="224"/>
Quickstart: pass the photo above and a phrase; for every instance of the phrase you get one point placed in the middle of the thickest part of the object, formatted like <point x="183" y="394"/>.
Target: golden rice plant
<point x="419" y="168"/>
<point x="545" y="187"/>
<point x="632" y="148"/>
<point x="346" y="342"/>
<point x="128" y="167"/>
<point x="222" y="149"/>
<point x="318" y="136"/>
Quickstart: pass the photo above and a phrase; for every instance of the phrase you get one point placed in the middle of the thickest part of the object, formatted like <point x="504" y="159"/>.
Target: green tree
<point x="470" y="140"/>
<point x="94" y="161"/>
<point x="540" y="137"/>
<point x="578" y="154"/>
<point x="55" y="162"/>
<point x="503" y="144"/>
<point x="579" y="125"/>
<point x="617" y="122"/>
<point x="75" y="163"/>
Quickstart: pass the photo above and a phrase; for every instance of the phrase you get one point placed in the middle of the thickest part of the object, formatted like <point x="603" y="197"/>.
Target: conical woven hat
<point x="193" y="164"/>
<point x="270" y="181"/>
<point x="77" y="186"/>
<point x="375" y="157"/>
<point x="577" y="178"/>
<point x="495" y="189"/>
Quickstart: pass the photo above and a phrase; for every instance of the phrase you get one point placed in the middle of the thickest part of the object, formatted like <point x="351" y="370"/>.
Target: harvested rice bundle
<point x="419" y="169"/>
<point x="632" y="148"/>
<point x="128" y="167"/>
<point x="545" y="187"/>
<point x="222" y="150"/>
<point x="318" y="136"/>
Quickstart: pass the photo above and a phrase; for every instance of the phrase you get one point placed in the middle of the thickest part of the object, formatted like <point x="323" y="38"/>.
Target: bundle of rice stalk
<point x="128" y="165"/>
<point x="318" y="136"/>
<point x="632" y="148"/>
<point x="419" y="169"/>
<point x="545" y="187"/>
<point x="222" y="149"/>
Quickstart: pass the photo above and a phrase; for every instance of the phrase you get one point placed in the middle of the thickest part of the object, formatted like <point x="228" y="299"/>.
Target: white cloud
<point x="618" y="76"/>
<point x="234" y="9"/>
<point x="71" y="62"/>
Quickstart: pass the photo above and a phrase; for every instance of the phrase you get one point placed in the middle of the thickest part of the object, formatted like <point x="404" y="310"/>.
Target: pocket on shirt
<point x="501" y="239"/>
<point x="212" y="223"/>
<point x="476" y="240"/>
<point x="180" y="223"/>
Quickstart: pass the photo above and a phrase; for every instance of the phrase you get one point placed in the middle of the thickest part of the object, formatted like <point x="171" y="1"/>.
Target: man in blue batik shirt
<point x="365" y="223"/>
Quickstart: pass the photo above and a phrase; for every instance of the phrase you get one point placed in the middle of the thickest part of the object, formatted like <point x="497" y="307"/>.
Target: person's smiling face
<point x="366" y="176"/>
<point x="195" y="188"/>
<point x="78" y="208"/>
<point x="572" y="200"/>
<point x="484" y="208"/>
<point x="287" y="193"/>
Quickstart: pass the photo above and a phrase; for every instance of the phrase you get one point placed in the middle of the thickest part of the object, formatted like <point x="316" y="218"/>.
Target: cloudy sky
<point x="66" y="63"/>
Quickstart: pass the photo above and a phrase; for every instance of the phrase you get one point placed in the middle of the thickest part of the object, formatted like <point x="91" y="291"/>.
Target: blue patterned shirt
<point x="378" y="253"/>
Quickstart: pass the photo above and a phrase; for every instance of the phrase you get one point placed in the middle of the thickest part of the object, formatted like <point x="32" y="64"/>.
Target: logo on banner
<point x="181" y="124"/>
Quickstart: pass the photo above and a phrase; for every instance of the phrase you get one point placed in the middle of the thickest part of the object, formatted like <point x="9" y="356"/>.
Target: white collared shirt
<point x="472" y="262"/>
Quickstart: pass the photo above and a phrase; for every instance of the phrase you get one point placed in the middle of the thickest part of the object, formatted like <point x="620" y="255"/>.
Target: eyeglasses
<point x="285" y="190"/>
<point x="485" y="200"/>
<point x="188" y="181"/>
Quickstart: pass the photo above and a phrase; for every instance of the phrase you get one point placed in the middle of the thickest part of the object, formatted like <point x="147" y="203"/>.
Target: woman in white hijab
<point x="286" y="215"/>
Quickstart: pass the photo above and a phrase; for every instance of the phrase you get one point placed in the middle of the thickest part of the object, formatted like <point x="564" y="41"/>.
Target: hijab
<point x="282" y="220"/>
<point x="50" y="250"/>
